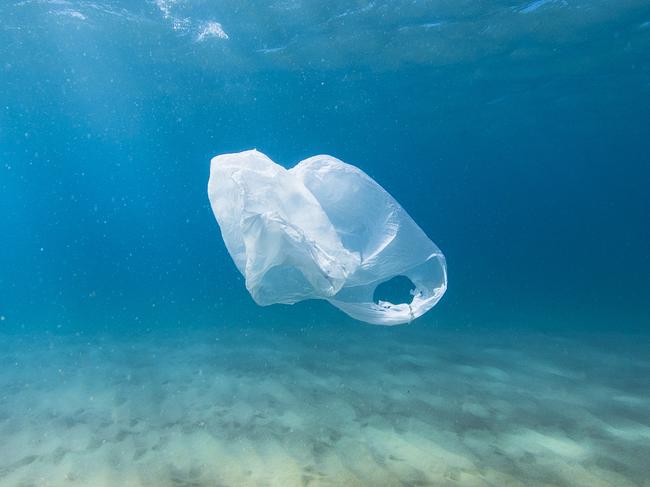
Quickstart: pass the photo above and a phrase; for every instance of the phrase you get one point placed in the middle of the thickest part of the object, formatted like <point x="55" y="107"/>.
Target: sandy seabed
<point x="314" y="407"/>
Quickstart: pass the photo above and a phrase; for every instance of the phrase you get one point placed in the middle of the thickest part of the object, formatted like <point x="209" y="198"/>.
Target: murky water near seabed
<point x="253" y="407"/>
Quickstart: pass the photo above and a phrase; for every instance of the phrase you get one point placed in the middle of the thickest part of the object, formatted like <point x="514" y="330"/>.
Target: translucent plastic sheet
<point x="322" y="230"/>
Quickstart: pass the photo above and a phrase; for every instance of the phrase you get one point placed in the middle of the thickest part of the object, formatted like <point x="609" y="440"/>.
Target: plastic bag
<point x="322" y="230"/>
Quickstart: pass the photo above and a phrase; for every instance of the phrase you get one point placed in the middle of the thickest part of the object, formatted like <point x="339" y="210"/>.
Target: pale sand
<point x="324" y="407"/>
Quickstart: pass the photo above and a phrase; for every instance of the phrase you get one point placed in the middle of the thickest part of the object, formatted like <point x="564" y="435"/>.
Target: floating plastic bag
<point x="322" y="230"/>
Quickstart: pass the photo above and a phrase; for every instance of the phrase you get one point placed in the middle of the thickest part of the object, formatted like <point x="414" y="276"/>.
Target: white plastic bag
<point x="322" y="230"/>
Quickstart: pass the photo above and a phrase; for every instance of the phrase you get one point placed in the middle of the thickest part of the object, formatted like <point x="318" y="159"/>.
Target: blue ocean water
<point x="515" y="132"/>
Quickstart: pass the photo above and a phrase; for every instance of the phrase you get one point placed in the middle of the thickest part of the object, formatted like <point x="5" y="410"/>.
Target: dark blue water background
<point x="517" y="134"/>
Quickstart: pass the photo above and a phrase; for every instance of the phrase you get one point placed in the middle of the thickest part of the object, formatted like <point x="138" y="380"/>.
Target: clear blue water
<point x="516" y="133"/>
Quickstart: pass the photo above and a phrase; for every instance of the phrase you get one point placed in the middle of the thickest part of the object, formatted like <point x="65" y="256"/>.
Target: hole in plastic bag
<point x="396" y="290"/>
